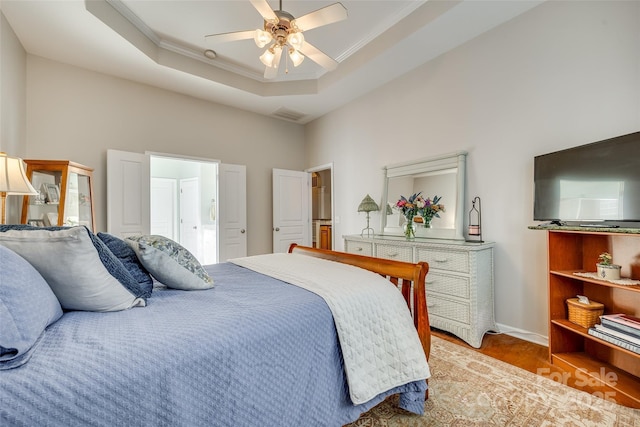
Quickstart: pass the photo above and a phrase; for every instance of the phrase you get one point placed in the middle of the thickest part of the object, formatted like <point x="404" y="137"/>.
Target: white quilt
<point x="379" y="342"/>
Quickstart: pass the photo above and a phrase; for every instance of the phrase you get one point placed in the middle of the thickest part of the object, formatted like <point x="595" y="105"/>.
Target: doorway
<point x="322" y="206"/>
<point x="223" y="218"/>
<point x="183" y="194"/>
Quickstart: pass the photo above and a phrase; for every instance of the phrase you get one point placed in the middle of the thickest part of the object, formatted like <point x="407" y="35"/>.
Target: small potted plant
<point x="607" y="270"/>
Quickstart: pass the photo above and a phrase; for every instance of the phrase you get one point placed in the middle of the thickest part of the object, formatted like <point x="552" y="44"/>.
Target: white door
<point x="127" y="193"/>
<point x="164" y="202"/>
<point x="232" y="211"/>
<point x="291" y="213"/>
<point x="190" y="224"/>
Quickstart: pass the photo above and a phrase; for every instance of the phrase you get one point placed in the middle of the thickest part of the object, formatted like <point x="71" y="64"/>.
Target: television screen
<point x="591" y="183"/>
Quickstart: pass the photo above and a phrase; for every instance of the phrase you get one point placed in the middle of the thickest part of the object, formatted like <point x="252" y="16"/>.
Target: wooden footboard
<point x="408" y="277"/>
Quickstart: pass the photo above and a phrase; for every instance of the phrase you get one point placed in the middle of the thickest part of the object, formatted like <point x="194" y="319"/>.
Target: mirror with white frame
<point x="442" y="176"/>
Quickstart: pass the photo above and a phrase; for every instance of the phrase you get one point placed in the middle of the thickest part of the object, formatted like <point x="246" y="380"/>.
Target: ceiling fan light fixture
<point x="296" y="57"/>
<point x="282" y="33"/>
<point x="267" y="57"/>
<point x="295" y="40"/>
<point x="261" y="37"/>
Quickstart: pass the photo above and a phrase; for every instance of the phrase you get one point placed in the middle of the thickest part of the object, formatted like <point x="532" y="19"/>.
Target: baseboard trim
<point x="523" y="335"/>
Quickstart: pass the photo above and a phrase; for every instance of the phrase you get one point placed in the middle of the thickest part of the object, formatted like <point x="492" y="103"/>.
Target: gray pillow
<point x="170" y="263"/>
<point x="113" y="265"/>
<point x="129" y="260"/>
<point x="27" y="307"/>
<point x="69" y="262"/>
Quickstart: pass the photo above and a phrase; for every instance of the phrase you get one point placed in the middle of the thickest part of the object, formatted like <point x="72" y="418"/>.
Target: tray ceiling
<point x="162" y="43"/>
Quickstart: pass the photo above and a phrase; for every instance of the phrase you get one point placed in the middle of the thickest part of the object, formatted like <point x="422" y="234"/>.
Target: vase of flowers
<point x="409" y="229"/>
<point x="409" y="209"/>
<point x="606" y="269"/>
<point x="430" y="209"/>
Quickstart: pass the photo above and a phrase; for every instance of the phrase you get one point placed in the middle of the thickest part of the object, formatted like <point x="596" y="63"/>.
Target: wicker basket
<point x="585" y="315"/>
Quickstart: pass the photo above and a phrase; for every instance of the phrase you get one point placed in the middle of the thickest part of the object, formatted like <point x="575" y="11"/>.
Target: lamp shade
<point x="296" y="57"/>
<point x="262" y="37"/>
<point x="13" y="179"/>
<point x="389" y="211"/>
<point x="296" y="40"/>
<point x="368" y="205"/>
<point x="267" y="57"/>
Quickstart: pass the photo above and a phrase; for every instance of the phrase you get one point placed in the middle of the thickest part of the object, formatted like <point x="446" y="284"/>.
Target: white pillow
<point x="69" y="263"/>
<point x="170" y="263"/>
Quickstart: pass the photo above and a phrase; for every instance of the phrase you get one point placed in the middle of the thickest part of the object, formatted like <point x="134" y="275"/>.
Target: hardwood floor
<point x="514" y="351"/>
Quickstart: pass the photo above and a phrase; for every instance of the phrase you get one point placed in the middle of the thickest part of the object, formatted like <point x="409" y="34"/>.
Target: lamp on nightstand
<point x="13" y="180"/>
<point x="368" y="205"/>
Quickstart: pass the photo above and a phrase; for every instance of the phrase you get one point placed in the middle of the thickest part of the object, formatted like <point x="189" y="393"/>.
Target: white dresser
<point x="459" y="283"/>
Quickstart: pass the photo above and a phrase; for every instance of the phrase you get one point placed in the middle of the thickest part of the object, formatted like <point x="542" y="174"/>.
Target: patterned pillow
<point x="170" y="263"/>
<point x="69" y="262"/>
<point x="129" y="259"/>
<point x="27" y="307"/>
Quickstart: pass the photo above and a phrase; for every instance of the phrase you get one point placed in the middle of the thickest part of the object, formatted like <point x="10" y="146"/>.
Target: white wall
<point x="561" y="75"/>
<point x="78" y="114"/>
<point x="13" y="66"/>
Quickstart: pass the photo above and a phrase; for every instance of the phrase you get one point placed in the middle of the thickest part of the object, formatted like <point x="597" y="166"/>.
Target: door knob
<point x="242" y="231"/>
<point x="277" y="228"/>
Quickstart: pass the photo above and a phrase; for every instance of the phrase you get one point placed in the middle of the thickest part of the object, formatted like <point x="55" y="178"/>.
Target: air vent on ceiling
<point x="290" y="115"/>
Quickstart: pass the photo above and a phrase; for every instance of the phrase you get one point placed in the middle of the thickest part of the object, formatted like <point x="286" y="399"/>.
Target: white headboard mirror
<point x="442" y="176"/>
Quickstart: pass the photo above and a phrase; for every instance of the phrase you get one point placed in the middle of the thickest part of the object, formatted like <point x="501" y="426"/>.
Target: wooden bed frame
<point x="408" y="277"/>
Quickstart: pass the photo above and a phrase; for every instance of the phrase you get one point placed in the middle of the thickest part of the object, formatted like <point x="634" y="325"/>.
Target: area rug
<point x="471" y="389"/>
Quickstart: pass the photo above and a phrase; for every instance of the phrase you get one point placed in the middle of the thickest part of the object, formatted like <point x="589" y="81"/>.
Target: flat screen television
<point x="596" y="183"/>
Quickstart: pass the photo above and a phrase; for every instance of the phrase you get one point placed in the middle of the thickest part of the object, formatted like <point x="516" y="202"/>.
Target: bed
<point x="253" y="350"/>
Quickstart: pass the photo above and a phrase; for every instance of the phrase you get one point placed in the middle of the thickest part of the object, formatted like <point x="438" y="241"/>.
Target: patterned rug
<point x="470" y="389"/>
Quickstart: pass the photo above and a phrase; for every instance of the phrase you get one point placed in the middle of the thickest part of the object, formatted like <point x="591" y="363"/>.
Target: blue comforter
<point x="253" y="351"/>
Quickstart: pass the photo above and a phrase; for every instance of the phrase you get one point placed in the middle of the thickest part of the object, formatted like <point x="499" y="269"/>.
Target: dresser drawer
<point x="448" y="309"/>
<point x="396" y="253"/>
<point x="448" y="285"/>
<point x="445" y="260"/>
<point x="358" y="248"/>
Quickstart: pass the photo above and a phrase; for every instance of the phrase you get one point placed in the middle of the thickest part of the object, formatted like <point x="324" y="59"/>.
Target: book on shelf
<point x="634" y="321"/>
<point x="622" y="323"/>
<point x="605" y="336"/>
<point x="616" y="333"/>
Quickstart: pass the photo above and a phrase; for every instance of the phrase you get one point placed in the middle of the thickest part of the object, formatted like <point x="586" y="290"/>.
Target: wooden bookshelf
<point x="605" y="369"/>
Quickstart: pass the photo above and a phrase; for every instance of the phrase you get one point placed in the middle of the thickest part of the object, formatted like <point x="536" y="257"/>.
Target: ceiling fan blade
<point x="319" y="57"/>
<point x="230" y="37"/>
<point x="272" y="72"/>
<point x="327" y="15"/>
<point x="265" y="10"/>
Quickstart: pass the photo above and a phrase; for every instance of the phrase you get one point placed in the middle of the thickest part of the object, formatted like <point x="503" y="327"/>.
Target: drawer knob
<point x="359" y="249"/>
<point x="441" y="260"/>
<point x="393" y="255"/>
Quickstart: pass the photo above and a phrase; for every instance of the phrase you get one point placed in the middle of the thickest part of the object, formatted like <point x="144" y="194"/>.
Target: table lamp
<point x="13" y="180"/>
<point x="368" y="205"/>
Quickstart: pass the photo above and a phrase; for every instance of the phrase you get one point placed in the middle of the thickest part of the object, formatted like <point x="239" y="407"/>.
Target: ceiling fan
<point x="282" y="32"/>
